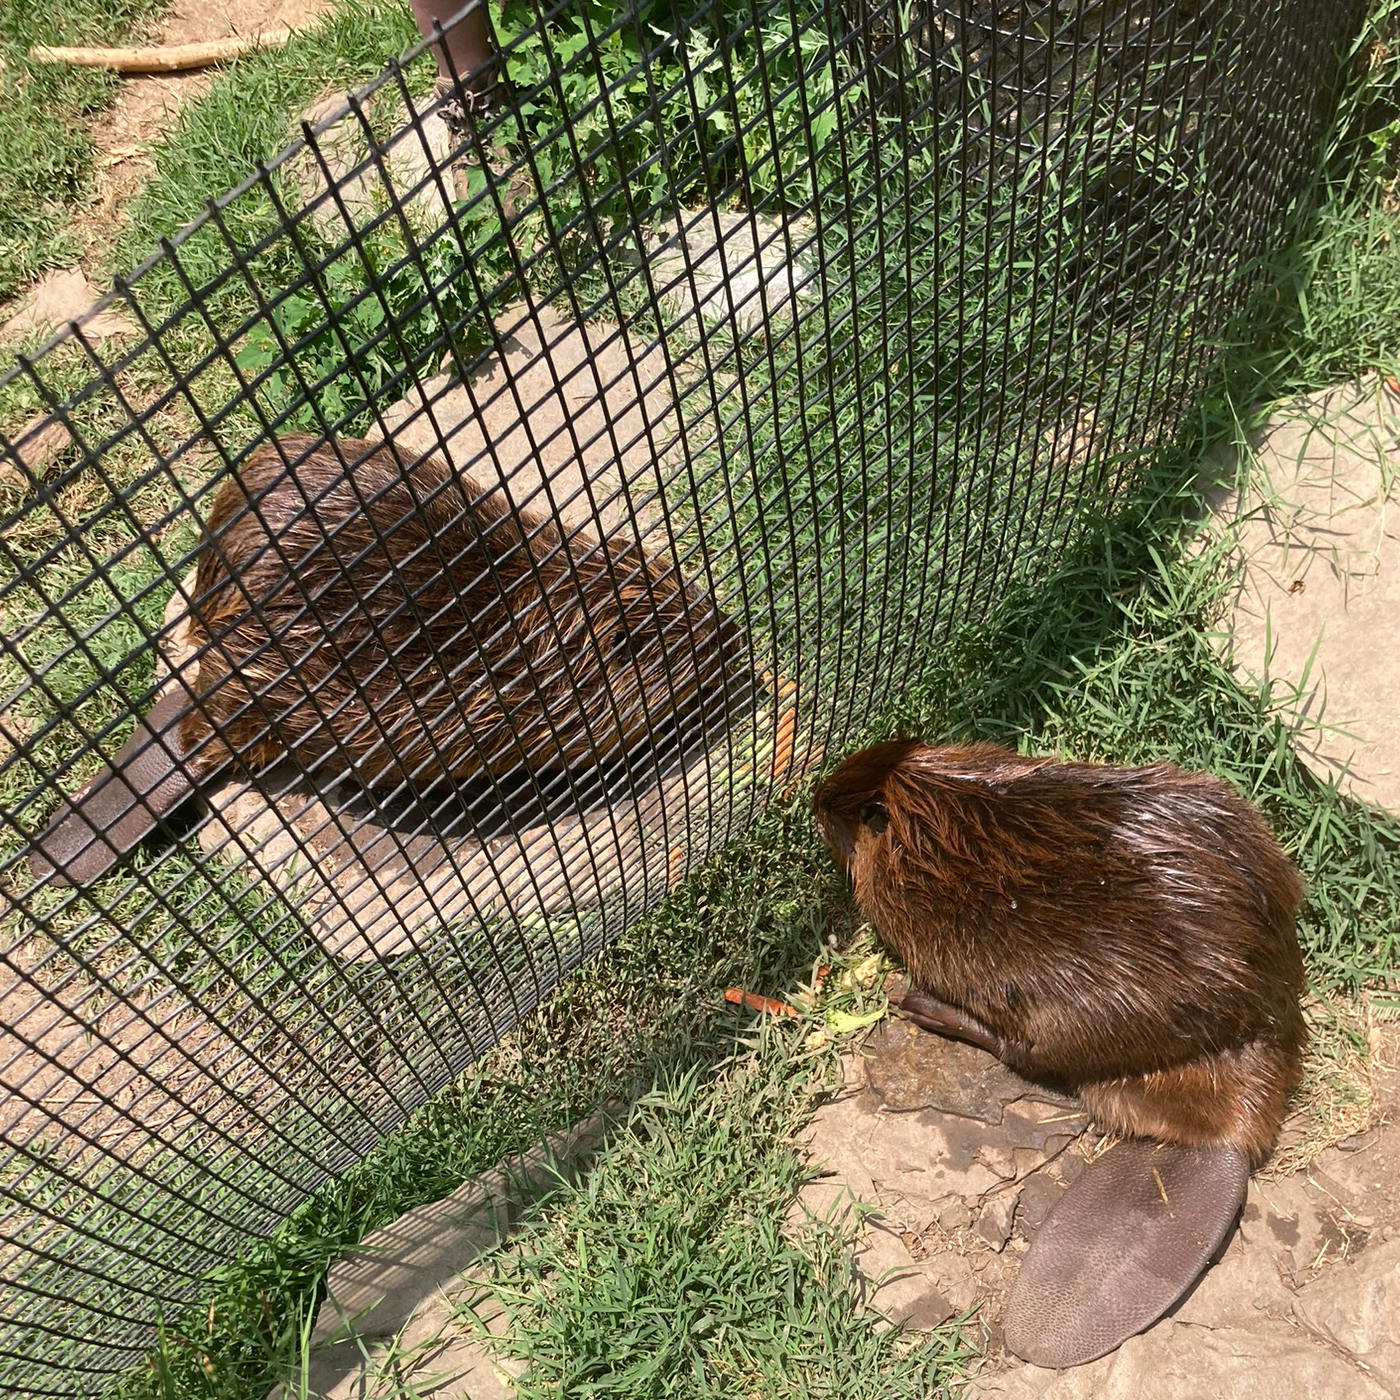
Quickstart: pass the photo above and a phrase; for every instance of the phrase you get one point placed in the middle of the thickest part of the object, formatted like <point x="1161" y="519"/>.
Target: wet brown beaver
<point x="390" y="621"/>
<point x="1125" y="932"/>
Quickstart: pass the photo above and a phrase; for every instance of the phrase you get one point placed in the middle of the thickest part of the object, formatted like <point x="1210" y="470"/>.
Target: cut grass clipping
<point x="682" y="1263"/>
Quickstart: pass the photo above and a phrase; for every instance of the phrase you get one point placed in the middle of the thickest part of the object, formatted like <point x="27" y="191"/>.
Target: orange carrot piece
<point x="736" y="996"/>
<point x="675" y="867"/>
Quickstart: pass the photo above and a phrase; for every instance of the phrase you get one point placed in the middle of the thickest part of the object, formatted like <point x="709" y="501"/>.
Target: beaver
<point x="390" y="622"/>
<point x="1127" y="933"/>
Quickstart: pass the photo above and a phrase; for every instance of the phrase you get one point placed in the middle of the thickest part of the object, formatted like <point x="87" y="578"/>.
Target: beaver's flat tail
<point x="1121" y="1246"/>
<point x="149" y="778"/>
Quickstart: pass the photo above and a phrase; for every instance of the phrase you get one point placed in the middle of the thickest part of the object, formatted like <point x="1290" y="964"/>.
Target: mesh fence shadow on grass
<point x="492" y="515"/>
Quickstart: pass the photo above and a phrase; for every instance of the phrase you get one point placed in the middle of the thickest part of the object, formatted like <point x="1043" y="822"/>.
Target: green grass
<point x="1106" y="656"/>
<point x="1332" y="307"/>
<point x="45" y="115"/>
<point x="677" y="1267"/>
<point x="1113" y="660"/>
<point x="244" y="119"/>
<point x="247" y="117"/>
<point x="1109" y="660"/>
<point x="441" y="289"/>
<point x="651" y="1007"/>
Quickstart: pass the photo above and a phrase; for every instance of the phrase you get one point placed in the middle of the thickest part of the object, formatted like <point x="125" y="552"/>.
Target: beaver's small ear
<point x="875" y="816"/>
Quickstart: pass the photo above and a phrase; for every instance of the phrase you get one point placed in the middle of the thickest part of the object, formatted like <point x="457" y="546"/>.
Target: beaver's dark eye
<point x="617" y="644"/>
<point x="874" y="817"/>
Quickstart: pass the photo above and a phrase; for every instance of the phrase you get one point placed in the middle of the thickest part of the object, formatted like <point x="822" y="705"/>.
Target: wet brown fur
<point x="354" y="607"/>
<point x="1129" y="932"/>
<point x="392" y="623"/>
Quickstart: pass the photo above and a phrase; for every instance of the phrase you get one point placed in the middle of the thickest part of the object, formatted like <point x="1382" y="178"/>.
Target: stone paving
<point x="1318" y="533"/>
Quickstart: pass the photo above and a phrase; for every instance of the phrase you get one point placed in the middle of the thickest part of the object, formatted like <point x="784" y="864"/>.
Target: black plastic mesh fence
<point x="490" y="514"/>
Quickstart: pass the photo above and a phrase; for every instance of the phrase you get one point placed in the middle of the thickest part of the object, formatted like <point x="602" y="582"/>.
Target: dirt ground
<point x="148" y="104"/>
<point x="146" y="107"/>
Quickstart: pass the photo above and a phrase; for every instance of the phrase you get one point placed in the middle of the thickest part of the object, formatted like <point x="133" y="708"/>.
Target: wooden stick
<point x="172" y="59"/>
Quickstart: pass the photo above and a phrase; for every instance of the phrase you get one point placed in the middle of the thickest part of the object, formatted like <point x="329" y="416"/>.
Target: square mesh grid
<point x="492" y="511"/>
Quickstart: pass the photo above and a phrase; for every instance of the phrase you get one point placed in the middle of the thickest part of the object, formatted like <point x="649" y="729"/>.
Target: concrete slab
<point x="731" y="269"/>
<point x="1316" y="536"/>
<point x="389" y="1325"/>
<point x="961" y="1160"/>
<point x="577" y="421"/>
<point x="1269" y="1361"/>
<point x="942" y="1141"/>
